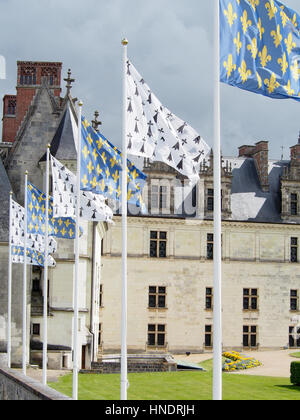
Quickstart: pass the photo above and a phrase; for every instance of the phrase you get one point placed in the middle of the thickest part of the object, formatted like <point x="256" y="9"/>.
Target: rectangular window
<point x="101" y="296"/>
<point x="209" y="298"/>
<point x="157" y="297"/>
<point x="249" y="336"/>
<point x="158" y="244"/>
<point x="156" y="335"/>
<point x="163" y="198"/>
<point x="210" y="199"/>
<point x="154" y="196"/>
<point x="294" y="337"/>
<point x="294" y="204"/>
<point x="100" y="335"/>
<point x="250" y="299"/>
<point x="208" y="336"/>
<point x="294" y="300"/>
<point x="35" y="329"/>
<point x="210" y="246"/>
<point x="294" y="249"/>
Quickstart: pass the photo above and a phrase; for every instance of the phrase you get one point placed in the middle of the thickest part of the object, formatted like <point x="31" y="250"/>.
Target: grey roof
<point x="63" y="145"/>
<point x="5" y="189"/>
<point x="248" y="201"/>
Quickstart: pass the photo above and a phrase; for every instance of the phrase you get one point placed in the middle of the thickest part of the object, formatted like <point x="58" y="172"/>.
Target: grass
<point x="180" y="386"/>
<point x="297" y="355"/>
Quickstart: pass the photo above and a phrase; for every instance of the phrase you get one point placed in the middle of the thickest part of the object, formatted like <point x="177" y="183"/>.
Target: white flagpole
<point x="76" y="282"/>
<point x="9" y="286"/>
<point x="45" y="305"/>
<point x="124" y="381"/>
<point x="24" y="358"/>
<point x="217" y="332"/>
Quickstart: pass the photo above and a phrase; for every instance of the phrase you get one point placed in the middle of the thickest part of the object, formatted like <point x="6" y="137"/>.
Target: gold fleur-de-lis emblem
<point x="245" y="21"/>
<point x="264" y="56"/>
<point x="294" y="20"/>
<point x="254" y="3"/>
<point x="244" y="72"/>
<point x="231" y="16"/>
<point x="253" y="48"/>
<point x="84" y="181"/>
<point x="261" y="29"/>
<point x="283" y="63"/>
<point x="277" y="36"/>
<point x="284" y="18"/>
<point x="85" y="152"/>
<point x="271" y="83"/>
<point x="229" y="66"/>
<point x="237" y="43"/>
<point x="289" y="43"/>
<point x="259" y="80"/>
<point x="288" y="89"/>
<point x="271" y="8"/>
<point x="94" y="182"/>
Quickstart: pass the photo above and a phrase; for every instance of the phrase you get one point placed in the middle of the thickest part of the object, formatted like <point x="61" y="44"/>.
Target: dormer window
<point x="294" y="204"/>
<point x="159" y="199"/>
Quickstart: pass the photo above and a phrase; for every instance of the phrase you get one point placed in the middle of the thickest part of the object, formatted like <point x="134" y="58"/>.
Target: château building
<point x="170" y="249"/>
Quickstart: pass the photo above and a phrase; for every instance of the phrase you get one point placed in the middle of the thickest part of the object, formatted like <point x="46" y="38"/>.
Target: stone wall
<point x="14" y="386"/>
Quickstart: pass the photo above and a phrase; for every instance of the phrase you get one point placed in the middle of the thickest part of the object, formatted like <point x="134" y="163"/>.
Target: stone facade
<point x="255" y="256"/>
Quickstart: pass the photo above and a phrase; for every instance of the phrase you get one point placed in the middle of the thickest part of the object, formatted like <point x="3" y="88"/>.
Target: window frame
<point x="156" y="250"/>
<point x="157" y="332"/>
<point x="251" y="297"/>
<point x="157" y="294"/>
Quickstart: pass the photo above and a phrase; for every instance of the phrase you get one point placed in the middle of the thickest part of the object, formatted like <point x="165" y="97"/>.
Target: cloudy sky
<point x="171" y="45"/>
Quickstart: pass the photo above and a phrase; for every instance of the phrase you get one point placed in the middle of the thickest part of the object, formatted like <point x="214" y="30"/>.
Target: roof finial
<point x="69" y="81"/>
<point x="95" y="122"/>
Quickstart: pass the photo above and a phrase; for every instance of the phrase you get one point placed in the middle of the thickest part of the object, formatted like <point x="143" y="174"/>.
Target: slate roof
<point x="248" y="201"/>
<point x="63" y="145"/>
<point x="5" y="189"/>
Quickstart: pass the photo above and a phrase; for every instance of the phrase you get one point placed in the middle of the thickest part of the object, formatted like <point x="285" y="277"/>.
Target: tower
<point x="30" y="76"/>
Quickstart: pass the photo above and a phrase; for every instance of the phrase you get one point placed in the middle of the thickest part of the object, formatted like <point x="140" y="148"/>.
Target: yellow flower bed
<point x="236" y="361"/>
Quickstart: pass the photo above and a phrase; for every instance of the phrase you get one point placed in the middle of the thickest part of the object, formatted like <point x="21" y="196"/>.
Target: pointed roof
<point x="63" y="144"/>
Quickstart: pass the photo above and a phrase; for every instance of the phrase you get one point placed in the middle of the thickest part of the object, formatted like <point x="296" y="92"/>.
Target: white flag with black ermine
<point x="92" y="206"/>
<point x="156" y="133"/>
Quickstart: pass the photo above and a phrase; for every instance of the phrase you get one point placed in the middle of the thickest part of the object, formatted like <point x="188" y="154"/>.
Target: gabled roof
<point x="63" y="143"/>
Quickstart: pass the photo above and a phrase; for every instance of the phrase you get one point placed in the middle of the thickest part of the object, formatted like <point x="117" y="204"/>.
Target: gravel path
<point x="274" y="363"/>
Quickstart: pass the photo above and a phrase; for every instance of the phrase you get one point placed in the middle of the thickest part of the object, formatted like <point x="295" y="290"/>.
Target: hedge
<point x="295" y="373"/>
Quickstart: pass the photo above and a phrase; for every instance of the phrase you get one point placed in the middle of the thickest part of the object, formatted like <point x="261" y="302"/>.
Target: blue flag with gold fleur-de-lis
<point x="33" y="257"/>
<point x="260" y="47"/>
<point x="101" y="169"/>
<point x="64" y="228"/>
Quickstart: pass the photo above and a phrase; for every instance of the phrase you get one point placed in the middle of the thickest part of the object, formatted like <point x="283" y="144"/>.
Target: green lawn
<point x="297" y="355"/>
<point x="180" y="386"/>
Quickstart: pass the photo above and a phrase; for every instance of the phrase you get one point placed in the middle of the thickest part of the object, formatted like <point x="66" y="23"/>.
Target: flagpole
<point x="24" y="356"/>
<point x="124" y="381"/>
<point x="45" y="305"/>
<point x="76" y="282"/>
<point x="217" y="331"/>
<point x="9" y="286"/>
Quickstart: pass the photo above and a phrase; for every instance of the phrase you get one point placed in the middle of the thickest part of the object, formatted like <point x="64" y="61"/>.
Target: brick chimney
<point x="260" y="154"/>
<point x="30" y="76"/>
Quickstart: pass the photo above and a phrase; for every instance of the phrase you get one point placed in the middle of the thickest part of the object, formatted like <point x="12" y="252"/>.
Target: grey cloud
<point x="171" y="46"/>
